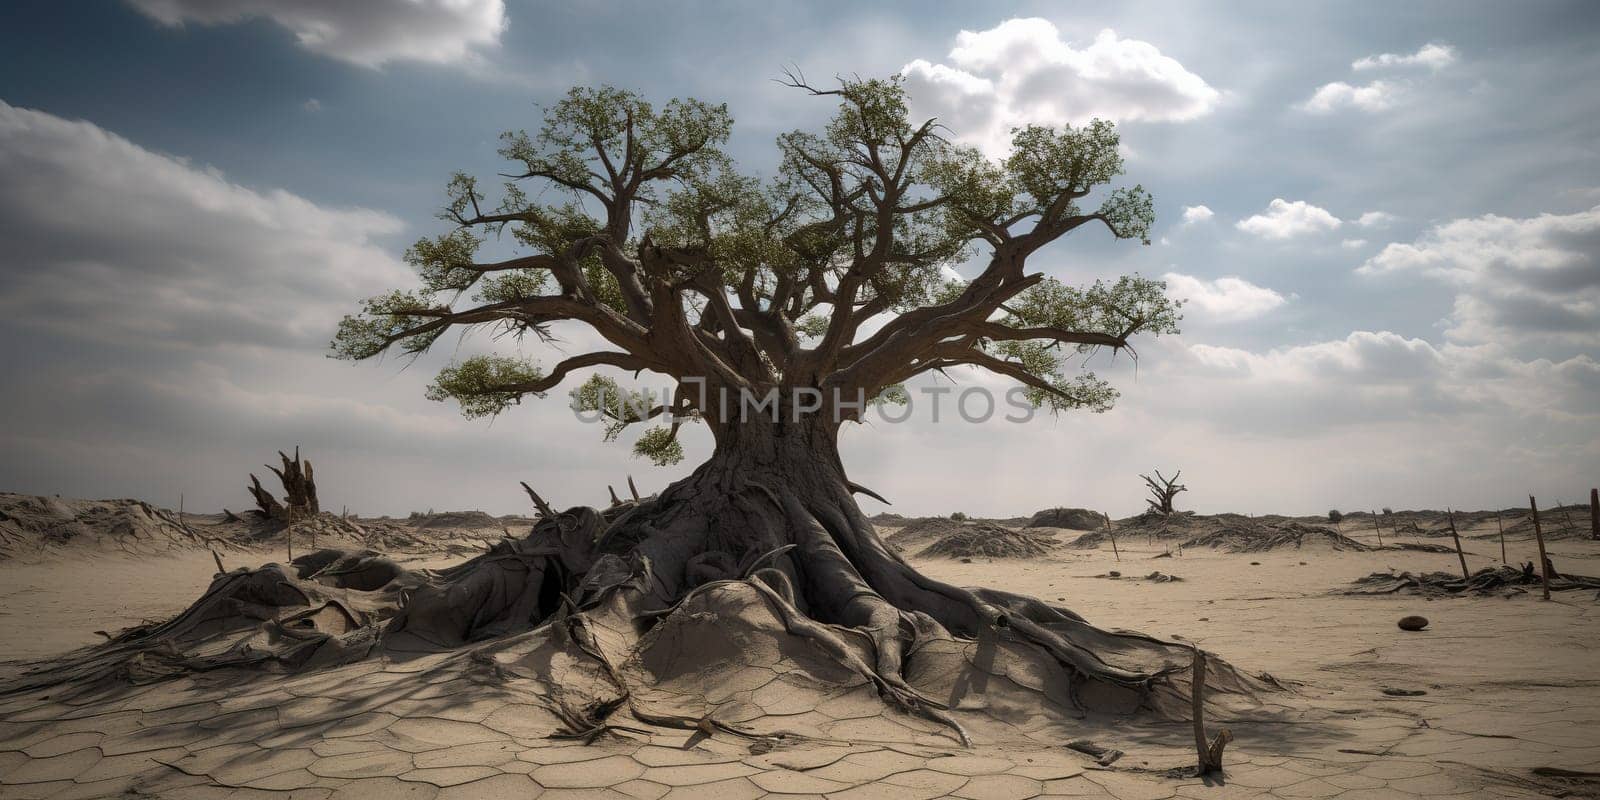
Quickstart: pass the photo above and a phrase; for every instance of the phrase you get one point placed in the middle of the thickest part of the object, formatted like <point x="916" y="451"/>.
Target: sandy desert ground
<point x="1501" y="692"/>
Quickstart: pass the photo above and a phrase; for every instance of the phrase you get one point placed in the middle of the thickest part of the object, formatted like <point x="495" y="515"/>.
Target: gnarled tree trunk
<point x="773" y="504"/>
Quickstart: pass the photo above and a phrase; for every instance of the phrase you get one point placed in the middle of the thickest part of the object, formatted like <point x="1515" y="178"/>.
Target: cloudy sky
<point x="1385" y="220"/>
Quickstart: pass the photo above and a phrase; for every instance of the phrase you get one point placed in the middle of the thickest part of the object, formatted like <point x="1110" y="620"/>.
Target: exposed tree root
<point x="652" y="582"/>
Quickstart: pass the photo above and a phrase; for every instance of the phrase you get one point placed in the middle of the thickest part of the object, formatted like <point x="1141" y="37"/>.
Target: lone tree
<point x="830" y="278"/>
<point x="1162" y="491"/>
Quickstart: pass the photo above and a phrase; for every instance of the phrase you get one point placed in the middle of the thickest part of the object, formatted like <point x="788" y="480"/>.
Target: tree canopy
<point x="833" y="274"/>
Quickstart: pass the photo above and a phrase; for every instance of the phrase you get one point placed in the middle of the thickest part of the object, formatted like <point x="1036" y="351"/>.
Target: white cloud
<point x="1196" y="214"/>
<point x="1377" y="374"/>
<point x="136" y="244"/>
<point x="1361" y="357"/>
<point x="1534" y="279"/>
<point x="1376" y="219"/>
<point x="1224" y="299"/>
<point x="1379" y="95"/>
<point x="312" y="105"/>
<point x="1432" y="55"/>
<point x="1022" y="71"/>
<point x="1377" y="408"/>
<point x="369" y="33"/>
<point x="1375" y="96"/>
<point x="1286" y="220"/>
<point x="1353" y="244"/>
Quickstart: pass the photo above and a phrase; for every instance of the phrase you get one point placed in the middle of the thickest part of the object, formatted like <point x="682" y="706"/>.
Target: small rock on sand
<point x="1413" y="623"/>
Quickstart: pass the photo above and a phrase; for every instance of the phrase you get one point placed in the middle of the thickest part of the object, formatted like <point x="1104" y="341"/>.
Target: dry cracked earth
<point x="1510" y="707"/>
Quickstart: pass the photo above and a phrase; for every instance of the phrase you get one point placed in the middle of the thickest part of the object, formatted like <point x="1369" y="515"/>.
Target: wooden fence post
<point x="1566" y="517"/>
<point x="1502" y="525"/>
<point x="1594" y="513"/>
<point x="1113" y="535"/>
<point x="1538" y="534"/>
<point x="1376" y="528"/>
<point x="1463" y="556"/>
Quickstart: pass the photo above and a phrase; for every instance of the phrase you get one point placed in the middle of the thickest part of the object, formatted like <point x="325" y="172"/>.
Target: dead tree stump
<point x="299" y="491"/>
<point x="545" y="512"/>
<point x="1208" y="754"/>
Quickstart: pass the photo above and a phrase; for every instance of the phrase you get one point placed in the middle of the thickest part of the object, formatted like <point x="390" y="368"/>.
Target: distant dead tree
<point x="299" y="491"/>
<point x="1163" y="490"/>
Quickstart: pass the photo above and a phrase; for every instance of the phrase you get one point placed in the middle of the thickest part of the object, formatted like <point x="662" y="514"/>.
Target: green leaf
<point x="383" y="323"/>
<point x="660" y="445"/>
<point x="485" y="385"/>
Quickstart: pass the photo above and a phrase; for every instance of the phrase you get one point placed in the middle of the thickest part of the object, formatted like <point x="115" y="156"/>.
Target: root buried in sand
<point x="657" y="620"/>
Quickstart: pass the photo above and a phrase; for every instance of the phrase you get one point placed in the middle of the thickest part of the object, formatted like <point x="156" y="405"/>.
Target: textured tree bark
<point x="299" y="485"/>
<point x="299" y="491"/>
<point x="775" y="497"/>
<point x="1208" y="756"/>
<point x="1198" y="713"/>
